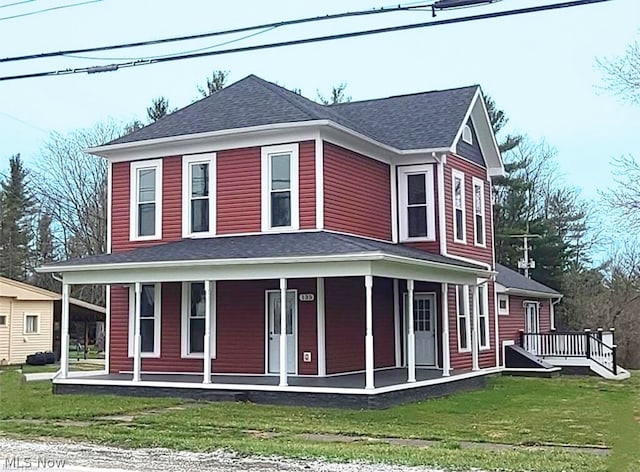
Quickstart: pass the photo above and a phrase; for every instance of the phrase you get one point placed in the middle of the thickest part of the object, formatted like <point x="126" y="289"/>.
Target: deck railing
<point x="598" y="346"/>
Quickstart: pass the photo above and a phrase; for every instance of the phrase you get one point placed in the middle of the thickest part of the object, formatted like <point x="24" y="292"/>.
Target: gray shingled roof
<point x="259" y="247"/>
<point x="512" y="279"/>
<point x="418" y="121"/>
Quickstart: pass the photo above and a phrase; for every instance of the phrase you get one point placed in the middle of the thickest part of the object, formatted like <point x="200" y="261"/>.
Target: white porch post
<point x="207" y="331"/>
<point x="411" y="337"/>
<point x="283" y="333"/>
<point x="474" y="328"/>
<point x="322" y="358"/>
<point x="368" y="339"/>
<point x="446" y="357"/>
<point x="137" y="364"/>
<point x="64" y="333"/>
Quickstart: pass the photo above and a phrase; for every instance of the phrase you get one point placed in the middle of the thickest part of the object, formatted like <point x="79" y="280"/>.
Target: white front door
<point x="274" y="331"/>
<point x="424" y="316"/>
<point x="532" y="325"/>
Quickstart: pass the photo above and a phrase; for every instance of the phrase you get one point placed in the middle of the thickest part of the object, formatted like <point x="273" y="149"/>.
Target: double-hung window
<point x="478" y="212"/>
<point x="459" y="216"/>
<point x="417" y="203"/>
<point x="483" y="317"/>
<point x="193" y="319"/>
<point x="198" y="195"/>
<point x="31" y="324"/>
<point x="280" y="184"/>
<point x="503" y="304"/>
<point x="146" y="200"/>
<point x="149" y="320"/>
<point x="464" y="327"/>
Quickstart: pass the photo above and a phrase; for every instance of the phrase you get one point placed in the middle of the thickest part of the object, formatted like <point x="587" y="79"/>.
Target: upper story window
<point x="146" y="200"/>
<point x="198" y="195"/>
<point x="459" y="210"/>
<point x="467" y="135"/>
<point x="416" y="203"/>
<point x="478" y="212"/>
<point x="280" y="195"/>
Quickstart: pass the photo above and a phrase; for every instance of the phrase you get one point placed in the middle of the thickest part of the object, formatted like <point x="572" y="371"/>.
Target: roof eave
<point x="531" y="293"/>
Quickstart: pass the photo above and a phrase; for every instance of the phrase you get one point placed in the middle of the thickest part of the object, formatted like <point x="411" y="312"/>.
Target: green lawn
<point x="518" y="411"/>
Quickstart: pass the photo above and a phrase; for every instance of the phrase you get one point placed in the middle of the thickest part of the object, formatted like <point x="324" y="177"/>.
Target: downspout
<point x="442" y="227"/>
<point x="553" y="312"/>
<point x="55" y="277"/>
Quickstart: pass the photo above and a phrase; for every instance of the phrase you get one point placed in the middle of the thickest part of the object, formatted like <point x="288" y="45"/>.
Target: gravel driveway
<point x="79" y="457"/>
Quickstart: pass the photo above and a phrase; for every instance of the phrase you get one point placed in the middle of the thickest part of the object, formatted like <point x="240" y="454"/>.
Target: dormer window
<point x="146" y="200"/>
<point x="280" y="195"/>
<point x="467" y="135"/>
<point x="198" y="195"/>
<point x="417" y="203"/>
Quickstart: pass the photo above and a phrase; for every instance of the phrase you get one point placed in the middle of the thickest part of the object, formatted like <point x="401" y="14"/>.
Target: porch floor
<point x="382" y="378"/>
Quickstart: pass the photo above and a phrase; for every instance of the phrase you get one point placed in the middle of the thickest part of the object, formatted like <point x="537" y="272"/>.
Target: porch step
<point x="515" y="357"/>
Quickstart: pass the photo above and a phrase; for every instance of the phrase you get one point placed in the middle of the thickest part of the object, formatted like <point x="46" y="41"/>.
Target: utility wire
<point x="115" y="67"/>
<point x="16" y="3"/>
<point x="211" y="34"/>
<point x="44" y="10"/>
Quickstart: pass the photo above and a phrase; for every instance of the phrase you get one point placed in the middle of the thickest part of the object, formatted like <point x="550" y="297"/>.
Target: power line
<point x="44" y="10"/>
<point x="16" y="3"/>
<point x="213" y="33"/>
<point x="115" y="67"/>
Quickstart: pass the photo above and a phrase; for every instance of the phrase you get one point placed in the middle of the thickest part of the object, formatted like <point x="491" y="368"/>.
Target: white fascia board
<point x="530" y="293"/>
<point x="399" y="270"/>
<point x="499" y="288"/>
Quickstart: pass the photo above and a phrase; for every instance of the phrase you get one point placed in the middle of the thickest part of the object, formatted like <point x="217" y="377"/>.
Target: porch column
<point x="368" y="339"/>
<point x="474" y="328"/>
<point x="64" y="333"/>
<point x="283" y="333"/>
<point x="209" y="287"/>
<point x="321" y="327"/>
<point x="411" y="337"/>
<point x="446" y="357"/>
<point x="137" y="363"/>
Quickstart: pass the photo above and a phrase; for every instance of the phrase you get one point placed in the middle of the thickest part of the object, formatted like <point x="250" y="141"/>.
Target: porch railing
<point x="598" y="347"/>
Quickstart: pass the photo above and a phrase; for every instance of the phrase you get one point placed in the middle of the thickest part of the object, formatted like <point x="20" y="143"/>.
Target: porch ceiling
<point x="267" y="256"/>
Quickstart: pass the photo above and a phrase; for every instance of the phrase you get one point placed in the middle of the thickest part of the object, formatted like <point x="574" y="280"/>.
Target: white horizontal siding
<point x="24" y="344"/>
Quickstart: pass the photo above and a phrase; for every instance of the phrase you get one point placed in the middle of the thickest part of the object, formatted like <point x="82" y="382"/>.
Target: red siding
<point x="171" y="204"/>
<point x="345" y="323"/>
<point x="431" y="246"/>
<point x="238" y="191"/>
<point x="511" y="324"/>
<point x="240" y="329"/>
<point x="357" y="193"/>
<point x="469" y="250"/>
<point x="307" y="172"/>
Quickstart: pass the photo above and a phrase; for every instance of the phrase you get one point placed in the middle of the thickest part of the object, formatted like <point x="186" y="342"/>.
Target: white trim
<point x="157" y="320"/>
<point x="479" y="183"/>
<point x="411" y="336"/>
<point x="467" y="135"/>
<point x="393" y="181"/>
<point x="187" y="162"/>
<point x="496" y="325"/>
<point x="475" y="361"/>
<point x="321" y="327"/>
<point x="530" y="293"/>
<point x="456" y="174"/>
<point x="404" y="172"/>
<point x="266" y="331"/>
<point x="64" y="332"/>
<point x="442" y="226"/>
<point x="24" y="325"/>
<point x="396" y="323"/>
<point x="319" y="168"/>
<point x="294" y="186"/>
<point x="107" y="330"/>
<point x="109" y="197"/>
<point x="552" y="312"/>
<point x="135" y="168"/>
<point x="510" y="342"/>
<point x="185" y="302"/>
<point x="467" y="317"/>
<point x="368" y="344"/>
<point x="446" y="347"/>
<point x="502" y="311"/>
<point x="484" y="317"/>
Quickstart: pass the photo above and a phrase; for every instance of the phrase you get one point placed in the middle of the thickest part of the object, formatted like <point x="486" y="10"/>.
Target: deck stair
<point x="595" y="351"/>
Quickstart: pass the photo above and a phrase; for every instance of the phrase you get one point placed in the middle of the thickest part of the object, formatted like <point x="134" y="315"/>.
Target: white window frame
<point x="135" y="168"/>
<point x="3" y="319"/>
<point x="266" y="153"/>
<point x="157" y="320"/>
<point x="467" y="135"/>
<point x="479" y="211"/>
<point x="483" y="317"/>
<point x="184" y="331"/>
<point x="187" y="163"/>
<point x="466" y="315"/>
<point x="24" y="326"/>
<point x="403" y="200"/>
<point x="505" y="297"/>
<point x="456" y="174"/>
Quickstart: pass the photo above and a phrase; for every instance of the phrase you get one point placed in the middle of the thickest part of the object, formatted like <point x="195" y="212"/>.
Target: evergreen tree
<point x="158" y="109"/>
<point x="217" y="81"/>
<point x="15" y="221"/>
<point x="45" y="252"/>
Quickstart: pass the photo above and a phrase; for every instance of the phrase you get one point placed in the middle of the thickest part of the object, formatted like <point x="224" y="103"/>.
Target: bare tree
<point x="624" y="198"/>
<point x="338" y="95"/>
<point x="72" y="186"/>
<point x="622" y="74"/>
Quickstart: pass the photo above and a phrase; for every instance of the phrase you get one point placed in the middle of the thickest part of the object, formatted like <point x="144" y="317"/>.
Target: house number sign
<point x="307" y="297"/>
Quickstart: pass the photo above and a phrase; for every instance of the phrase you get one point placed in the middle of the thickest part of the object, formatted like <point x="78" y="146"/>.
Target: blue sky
<point x="540" y="67"/>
